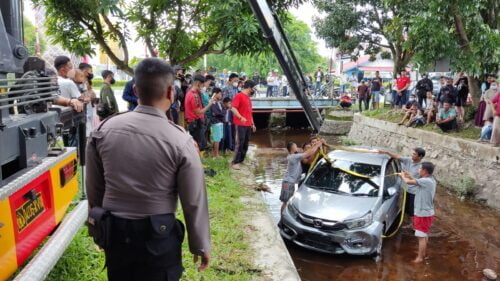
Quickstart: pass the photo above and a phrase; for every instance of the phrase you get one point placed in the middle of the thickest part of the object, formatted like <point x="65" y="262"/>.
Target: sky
<point x="304" y="13"/>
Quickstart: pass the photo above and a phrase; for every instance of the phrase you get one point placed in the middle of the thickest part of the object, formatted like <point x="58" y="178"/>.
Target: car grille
<point x="325" y="225"/>
<point x="318" y="242"/>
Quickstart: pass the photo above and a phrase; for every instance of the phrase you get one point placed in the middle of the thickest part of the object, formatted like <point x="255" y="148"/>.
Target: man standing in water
<point x="294" y="169"/>
<point x="411" y="165"/>
<point x="424" y="205"/>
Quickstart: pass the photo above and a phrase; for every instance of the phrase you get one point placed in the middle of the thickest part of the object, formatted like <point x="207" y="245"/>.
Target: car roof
<point x="371" y="158"/>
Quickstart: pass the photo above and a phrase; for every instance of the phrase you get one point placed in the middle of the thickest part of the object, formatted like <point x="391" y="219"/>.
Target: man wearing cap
<point x="195" y="112"/>
<point x="243" y="119"/>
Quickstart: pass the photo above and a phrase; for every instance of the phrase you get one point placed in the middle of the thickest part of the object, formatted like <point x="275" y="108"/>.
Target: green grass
<point x="466" y="132"/>
<point x="231" y="253"/>
<point x="339" y="118"/>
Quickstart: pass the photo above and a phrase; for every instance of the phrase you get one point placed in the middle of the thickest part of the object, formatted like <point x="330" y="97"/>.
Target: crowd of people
<point x="216" y="111"/>
<point x="446" y="108"/>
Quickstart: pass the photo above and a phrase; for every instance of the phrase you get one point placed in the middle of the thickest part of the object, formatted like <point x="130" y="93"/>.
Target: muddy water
<point x="465" y="237"/>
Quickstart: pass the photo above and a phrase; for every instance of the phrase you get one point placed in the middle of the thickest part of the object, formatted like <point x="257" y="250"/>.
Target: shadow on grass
<point x="231" y="252"/>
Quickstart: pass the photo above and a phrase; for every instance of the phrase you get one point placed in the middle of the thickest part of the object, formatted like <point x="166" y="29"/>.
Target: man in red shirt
<point x="402" y="93"/>
<point x="194" y="110"/>
<point x="243" y="120"/>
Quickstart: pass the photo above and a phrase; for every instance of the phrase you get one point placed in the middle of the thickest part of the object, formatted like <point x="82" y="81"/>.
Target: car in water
<point x="346" y="204"/>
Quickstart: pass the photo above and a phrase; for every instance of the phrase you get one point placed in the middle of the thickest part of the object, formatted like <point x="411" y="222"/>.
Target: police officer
<point x="138" y="164"/>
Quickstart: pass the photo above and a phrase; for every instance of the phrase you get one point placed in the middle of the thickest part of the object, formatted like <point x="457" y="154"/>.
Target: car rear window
<point x="326" y="177"/>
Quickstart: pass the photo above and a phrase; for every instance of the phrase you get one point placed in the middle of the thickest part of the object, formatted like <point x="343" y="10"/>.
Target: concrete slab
<point x="271" y="254"/>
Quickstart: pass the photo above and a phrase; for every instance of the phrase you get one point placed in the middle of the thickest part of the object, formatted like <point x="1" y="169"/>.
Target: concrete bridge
<point x="289" y="104"/>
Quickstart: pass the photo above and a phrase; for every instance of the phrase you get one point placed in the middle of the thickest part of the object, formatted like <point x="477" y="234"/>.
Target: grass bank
<point x="468" y="131"/>
<point x="231" y="251"/>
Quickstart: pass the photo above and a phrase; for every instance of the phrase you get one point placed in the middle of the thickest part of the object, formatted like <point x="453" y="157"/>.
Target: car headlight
<point x="292" y="210"/>
<point x="360" y="222"/>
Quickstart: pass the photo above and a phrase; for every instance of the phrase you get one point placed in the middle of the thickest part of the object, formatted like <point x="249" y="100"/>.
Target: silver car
<point x="346" y="205"/>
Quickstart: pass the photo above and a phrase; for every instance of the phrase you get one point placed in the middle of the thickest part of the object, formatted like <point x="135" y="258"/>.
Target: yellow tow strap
<point x="401" y="219"/>
<point x="347" y="171"/>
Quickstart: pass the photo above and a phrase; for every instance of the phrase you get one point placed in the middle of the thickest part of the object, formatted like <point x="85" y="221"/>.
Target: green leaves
<point x="182" y="30"/>
<point x="458" y="31"/>
<point x="372" y="26"/>
<point x="299" y="36"/>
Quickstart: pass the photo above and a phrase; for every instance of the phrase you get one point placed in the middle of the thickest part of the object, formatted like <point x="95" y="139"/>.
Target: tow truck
<point x="38" y="177"/>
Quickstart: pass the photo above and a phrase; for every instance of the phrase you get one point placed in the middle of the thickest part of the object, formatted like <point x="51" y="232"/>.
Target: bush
<point x="465" y="186"/>
<point x="470" y="113"/>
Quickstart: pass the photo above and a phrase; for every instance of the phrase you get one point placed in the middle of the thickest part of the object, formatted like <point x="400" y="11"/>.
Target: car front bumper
<point x="362" y="241"/>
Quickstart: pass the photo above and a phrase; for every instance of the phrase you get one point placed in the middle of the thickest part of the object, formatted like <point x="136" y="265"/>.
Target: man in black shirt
<point x="376" y="87"/>
<point x="447" y="92"/>
<point x="423" y="86"/>
<point x="462" y="86"/>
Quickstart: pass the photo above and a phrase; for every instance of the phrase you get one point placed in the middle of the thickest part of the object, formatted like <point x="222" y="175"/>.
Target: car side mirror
<point x="391" y="191"/>
<point x="302" y="178"/>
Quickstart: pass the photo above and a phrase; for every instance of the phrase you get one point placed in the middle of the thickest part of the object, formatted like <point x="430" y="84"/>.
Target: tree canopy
<point x="299" y="36"/>
<point x="464" y="31"/>
<point x="180" y="30"/>
<point x="30" y="37"/>
<point x="371" y="26"/>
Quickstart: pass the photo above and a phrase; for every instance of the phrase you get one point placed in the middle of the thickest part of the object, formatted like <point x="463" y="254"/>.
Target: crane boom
<point x="273" y="32"/>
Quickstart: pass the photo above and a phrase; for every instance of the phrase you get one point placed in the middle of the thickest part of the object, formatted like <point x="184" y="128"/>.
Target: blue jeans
<point x="376" y="96"/>
<point x="401" y="99"/>
<point x="227" y="138"/>
<point x="285" y="91"/>
<point x="486" y="132"/>
<point x="317" y="88"/>
<point x="269" y="92"/>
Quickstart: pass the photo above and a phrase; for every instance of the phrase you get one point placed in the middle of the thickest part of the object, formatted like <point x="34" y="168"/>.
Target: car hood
<point x="330" y="206"/>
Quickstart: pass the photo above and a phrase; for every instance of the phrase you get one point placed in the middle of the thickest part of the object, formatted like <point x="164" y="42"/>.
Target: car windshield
<point x="331" y="178"/>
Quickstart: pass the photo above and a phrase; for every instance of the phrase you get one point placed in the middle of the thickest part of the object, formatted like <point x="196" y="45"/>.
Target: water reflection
<point x="464" y="240"/>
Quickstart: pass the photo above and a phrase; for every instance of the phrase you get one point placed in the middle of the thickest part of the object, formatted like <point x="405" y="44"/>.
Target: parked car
<point x="346" y="205"/>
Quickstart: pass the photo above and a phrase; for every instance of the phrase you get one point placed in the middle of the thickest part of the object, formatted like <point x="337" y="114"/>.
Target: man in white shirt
<point x="318" y="77"/>
<point x="67" y="88"/>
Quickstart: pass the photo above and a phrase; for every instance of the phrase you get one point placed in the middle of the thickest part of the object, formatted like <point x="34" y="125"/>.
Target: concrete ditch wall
<point x="270" y="252"/>
<point x="459" y="162"/>
<point x="340" y="124"/>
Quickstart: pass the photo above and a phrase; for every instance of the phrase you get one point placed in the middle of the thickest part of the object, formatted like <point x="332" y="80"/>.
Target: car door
<point x="391" y="202"/>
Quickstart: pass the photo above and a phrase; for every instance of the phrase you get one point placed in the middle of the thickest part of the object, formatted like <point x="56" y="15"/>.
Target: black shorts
<point x="410" y="204"/>
<point x="462" y="100"/>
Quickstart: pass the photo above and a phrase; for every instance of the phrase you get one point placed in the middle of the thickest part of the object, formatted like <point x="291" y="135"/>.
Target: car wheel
<point x="377" y="255"/>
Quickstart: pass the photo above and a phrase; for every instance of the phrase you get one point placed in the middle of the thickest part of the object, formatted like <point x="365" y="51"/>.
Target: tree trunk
<point x="474" y="89"/>
<point x="399" y="65"/>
